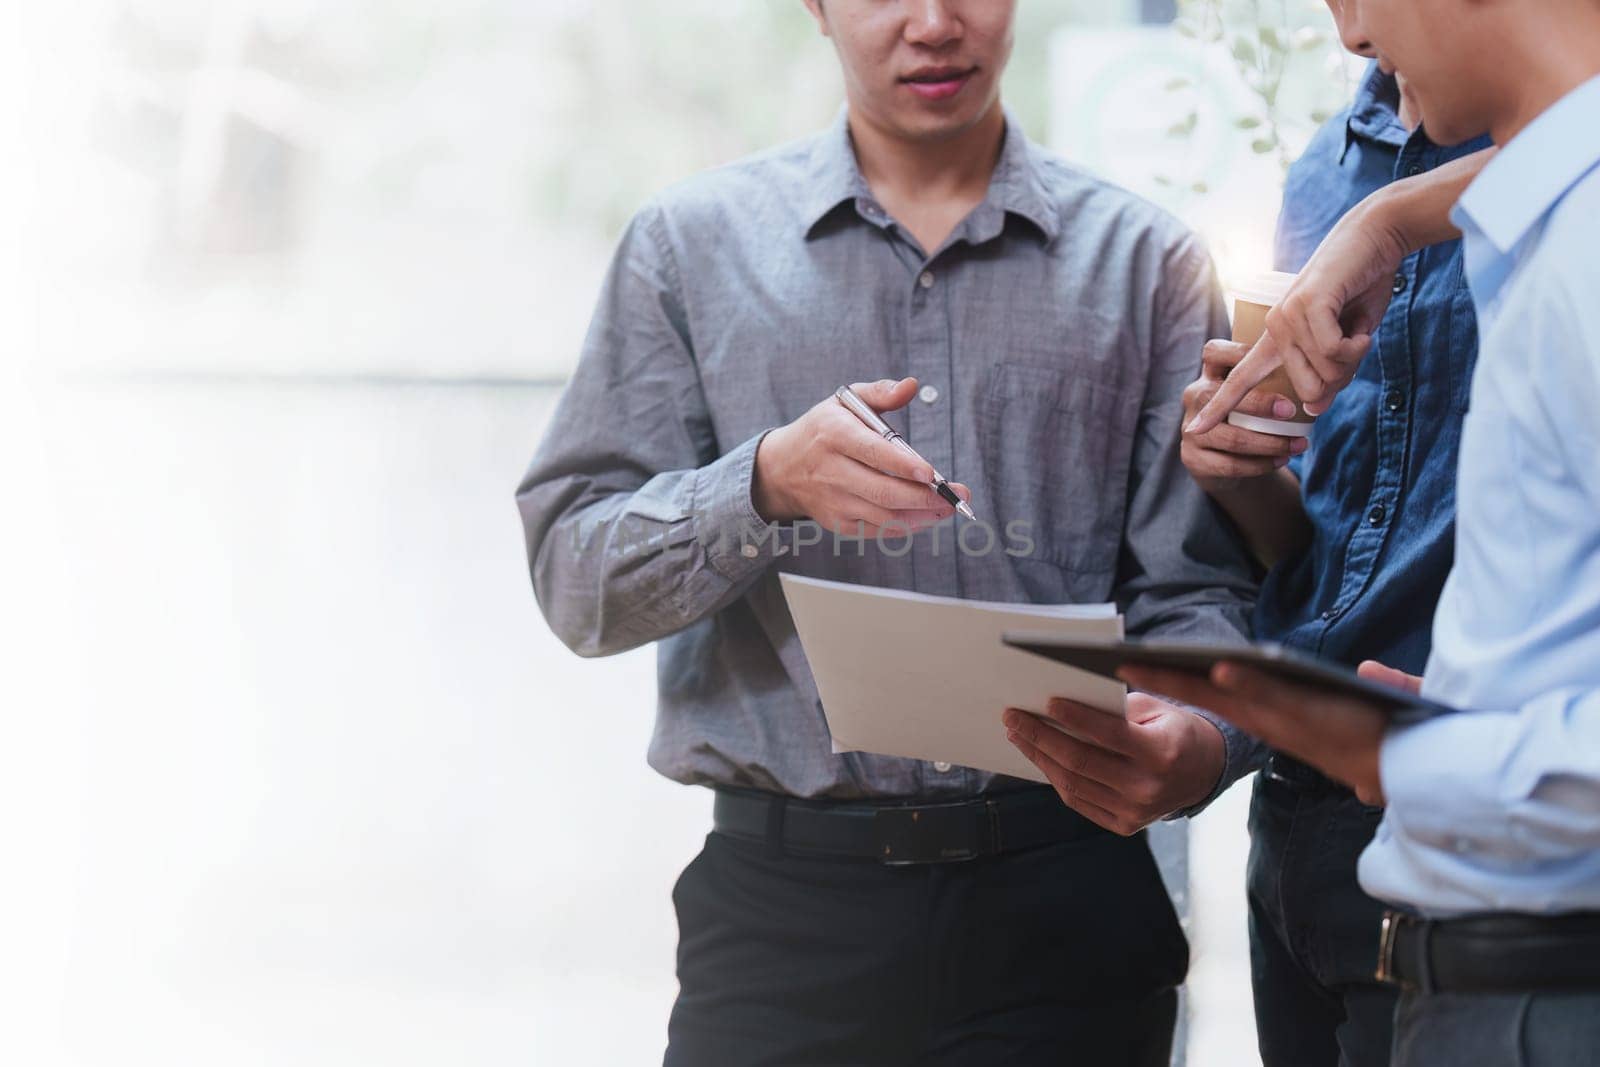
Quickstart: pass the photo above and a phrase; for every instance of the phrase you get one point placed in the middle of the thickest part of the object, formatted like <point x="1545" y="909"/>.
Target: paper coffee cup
<point x="1251" y="302"/>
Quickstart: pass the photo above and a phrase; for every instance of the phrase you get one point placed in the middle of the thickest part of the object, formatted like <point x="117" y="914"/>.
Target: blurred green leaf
<point x="1249" y="122"/>
<point x="1307" y="39"/>
<point x="1184" y="126"/>
<point x="1178" y="83"/>
<point x="1200" y="187"/>
<point x="1243" y="50"/>
<point x="1263" y="145"/>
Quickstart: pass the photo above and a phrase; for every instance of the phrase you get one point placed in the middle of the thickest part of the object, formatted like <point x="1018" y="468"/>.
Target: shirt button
<point x="1329" y="614"/>
<point x="928" y="394"/>
<point x="926" y="281"/>
<point x="1399" y="284"/>
<point x="942" y="767"/>
<point x="750" y="551"/>
<point x="1376" y="516"/>
<point x="1395" y="400"/>
<point x="1413" y="170"/>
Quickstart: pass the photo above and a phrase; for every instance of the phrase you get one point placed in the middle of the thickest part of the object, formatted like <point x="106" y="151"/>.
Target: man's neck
<point x="927" y="172"/>
<point x="1560" y="57"/>
<point x="928" y="187"/>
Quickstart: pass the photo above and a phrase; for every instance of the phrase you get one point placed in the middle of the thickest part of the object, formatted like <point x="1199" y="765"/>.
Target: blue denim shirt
<point x="1379" y="480"/>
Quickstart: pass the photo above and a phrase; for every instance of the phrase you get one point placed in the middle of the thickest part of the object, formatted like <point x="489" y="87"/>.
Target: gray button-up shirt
<point x="1053" y="334"/>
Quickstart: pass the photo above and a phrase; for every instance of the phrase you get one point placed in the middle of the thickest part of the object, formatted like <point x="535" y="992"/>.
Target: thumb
<point x="1374" y="671"/>
<point x="887" y="394"/>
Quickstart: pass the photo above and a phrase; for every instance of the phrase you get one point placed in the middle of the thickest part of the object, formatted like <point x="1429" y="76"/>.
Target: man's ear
<point x="815" y="7"/>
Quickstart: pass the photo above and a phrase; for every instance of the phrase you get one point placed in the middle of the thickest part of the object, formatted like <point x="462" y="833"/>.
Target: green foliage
<point x="1287" y="55"/>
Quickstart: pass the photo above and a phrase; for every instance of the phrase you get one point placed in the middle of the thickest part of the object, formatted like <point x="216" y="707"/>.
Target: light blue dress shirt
<point x="1498" y="808"/>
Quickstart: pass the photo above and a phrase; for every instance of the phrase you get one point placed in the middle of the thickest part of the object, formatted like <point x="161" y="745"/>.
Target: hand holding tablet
<point x="1314" y="710"/>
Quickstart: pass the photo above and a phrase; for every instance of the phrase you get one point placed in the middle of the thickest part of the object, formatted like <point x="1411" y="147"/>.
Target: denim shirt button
<point x="1395" y="400"/>
<point x="1399" y="284"/>
<point x="1377" y="514"/>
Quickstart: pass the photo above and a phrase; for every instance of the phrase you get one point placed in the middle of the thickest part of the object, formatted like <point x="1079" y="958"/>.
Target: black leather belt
<point x="1501" y="953"/>
<point x="901" y="832"/>
<point x="1301" y="776"/>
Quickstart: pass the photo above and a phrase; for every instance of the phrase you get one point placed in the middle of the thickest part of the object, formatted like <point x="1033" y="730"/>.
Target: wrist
<point x="1246" y="491"/>
<point x="1228" y="490"/>
<point x="766" y="483"/>
<point x="1388" y="217"/>
<point x="1211" y="762"/>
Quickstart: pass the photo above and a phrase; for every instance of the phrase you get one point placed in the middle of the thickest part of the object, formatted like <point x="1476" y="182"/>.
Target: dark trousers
<point x="1546" y="1029"/>
<point x="1063" y="955"/>
<point x="1313" y="932"/>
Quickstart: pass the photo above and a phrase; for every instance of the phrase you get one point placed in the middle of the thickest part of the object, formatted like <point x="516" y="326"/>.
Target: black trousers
<point x="1313" y="932"/>
<point x="1063" y="955"/>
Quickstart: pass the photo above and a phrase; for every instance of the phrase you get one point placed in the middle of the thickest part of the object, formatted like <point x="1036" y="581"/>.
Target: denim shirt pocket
<point x="1055" y="454"/>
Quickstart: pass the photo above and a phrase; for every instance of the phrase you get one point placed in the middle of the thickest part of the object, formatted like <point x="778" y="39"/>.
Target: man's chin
<point x="1446" y="131"/>
<point x="918" y="124"/>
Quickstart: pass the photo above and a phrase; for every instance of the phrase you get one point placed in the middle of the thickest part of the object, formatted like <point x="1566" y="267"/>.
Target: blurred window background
<point x="295" y="286"/>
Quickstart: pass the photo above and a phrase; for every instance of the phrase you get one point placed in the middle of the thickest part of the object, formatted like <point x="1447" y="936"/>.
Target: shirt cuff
<point x="1440" y="777"/>
<point x="737" y="541"/>
<point x="1243" y="755"/>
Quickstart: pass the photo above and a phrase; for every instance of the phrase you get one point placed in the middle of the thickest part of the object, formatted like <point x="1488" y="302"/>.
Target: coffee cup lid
<point x="1266" y="288"/>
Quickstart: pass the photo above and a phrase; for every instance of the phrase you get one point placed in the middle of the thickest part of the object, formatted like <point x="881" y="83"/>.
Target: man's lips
<point x="938" y="83"/>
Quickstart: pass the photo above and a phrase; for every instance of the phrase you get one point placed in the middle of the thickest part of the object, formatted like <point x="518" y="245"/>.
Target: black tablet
<point x="1105" y="658"/>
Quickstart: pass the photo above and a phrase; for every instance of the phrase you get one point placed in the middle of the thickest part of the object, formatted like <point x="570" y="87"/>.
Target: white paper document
<point x="926" y="677"/>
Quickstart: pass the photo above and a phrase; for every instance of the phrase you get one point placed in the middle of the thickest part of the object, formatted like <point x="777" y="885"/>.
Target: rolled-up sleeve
<point x="1183" y="573"/>
<point x="637" y="525"/>
<point x="1512" y="786"/>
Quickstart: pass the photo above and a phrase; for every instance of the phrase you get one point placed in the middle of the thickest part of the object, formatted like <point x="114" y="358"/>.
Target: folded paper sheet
<point x="926" y="677"/>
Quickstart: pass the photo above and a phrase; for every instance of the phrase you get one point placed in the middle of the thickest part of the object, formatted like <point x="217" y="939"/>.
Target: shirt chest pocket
<point x="1056" y="453"/>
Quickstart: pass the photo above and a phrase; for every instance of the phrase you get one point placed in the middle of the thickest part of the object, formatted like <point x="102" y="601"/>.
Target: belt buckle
<point x="908" y="837"/>
<point x="1392" y="922"/>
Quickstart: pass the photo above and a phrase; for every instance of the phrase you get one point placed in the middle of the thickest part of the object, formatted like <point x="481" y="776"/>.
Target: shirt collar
<point x="1375" y="112"/>
<point x="1016" y="187"/>
<point x="1534" y="170"/>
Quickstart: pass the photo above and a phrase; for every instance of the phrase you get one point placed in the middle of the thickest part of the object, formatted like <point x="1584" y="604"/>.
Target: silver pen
<point x="863" y="411"/>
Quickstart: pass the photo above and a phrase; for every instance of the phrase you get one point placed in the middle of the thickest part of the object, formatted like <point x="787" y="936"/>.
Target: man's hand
<point x="1122" y="773"/>
<point x="1242" y="470"/>
<point x="828" y="467"/>
<point x="1322" y="328"/>
<point x="1225" y="455"/>
<point x="1338" y="735"/>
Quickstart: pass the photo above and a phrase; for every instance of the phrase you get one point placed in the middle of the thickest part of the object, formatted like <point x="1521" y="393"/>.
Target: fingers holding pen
<point x="842" y="467"/>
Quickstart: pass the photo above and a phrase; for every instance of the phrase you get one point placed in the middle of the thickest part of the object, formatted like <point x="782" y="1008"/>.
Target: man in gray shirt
<point x="1030" y="330"/>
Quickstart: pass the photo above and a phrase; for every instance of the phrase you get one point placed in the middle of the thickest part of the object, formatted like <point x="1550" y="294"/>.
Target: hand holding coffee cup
<point x="1223" y="456"/>
<point x="1251" y="303"/>
<point x="1316" y="335"/>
